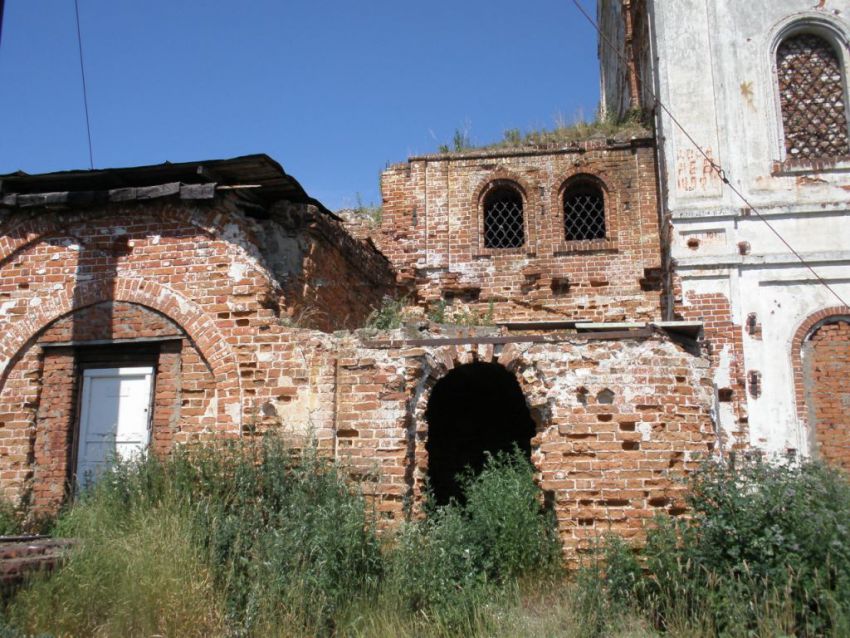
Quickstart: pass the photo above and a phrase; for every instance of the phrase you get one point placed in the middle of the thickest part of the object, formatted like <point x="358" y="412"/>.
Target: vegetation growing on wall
<point x="634" y="124"/>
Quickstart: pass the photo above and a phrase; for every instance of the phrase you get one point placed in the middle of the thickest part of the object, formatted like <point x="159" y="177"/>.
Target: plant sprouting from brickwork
<point x="373" y="213"/>
<point x="461" y="141"/>
<point x="390" y="315"/>
<point x="635" y="123"/>
<point x="443" y="312"/>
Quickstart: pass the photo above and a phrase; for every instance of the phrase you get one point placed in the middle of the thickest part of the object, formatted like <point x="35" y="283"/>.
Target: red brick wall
<point x="724" y="345"/>
<point x="53" y="431"/>
<point x="208" y="275"/>
<point x="606" y="466"/>
<point x="183" y="389"/>
<point x="110" y="321"/>
<point x="826" y="360"/>
<point x="203" y="274"/>
<point x="431" y="231"/>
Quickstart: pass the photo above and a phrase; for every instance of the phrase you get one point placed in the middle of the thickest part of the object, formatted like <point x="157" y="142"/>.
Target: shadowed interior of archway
<point x="476" y="408"/>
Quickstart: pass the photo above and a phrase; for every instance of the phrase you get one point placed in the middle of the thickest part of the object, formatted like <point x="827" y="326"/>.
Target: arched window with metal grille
<point x="504" y="223"/>
<point x="584" y="211"/>
<point x="812" y="97"/>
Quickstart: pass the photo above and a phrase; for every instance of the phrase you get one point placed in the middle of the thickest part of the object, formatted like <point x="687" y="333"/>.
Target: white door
<point x="114" y="417"/>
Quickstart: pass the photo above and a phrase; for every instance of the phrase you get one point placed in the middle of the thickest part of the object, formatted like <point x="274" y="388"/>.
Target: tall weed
<point x="445" y="566"/>
<point x="764" y="553"/>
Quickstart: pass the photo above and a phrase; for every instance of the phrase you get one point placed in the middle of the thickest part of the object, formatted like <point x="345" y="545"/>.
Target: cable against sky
<point x="717" y="168"/>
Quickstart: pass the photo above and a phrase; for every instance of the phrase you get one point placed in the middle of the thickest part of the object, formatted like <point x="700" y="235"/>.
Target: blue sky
<point x="332" y="90"/>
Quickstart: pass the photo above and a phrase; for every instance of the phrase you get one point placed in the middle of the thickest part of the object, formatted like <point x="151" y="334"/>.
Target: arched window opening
<point x="504" y="225"/>
<point x="476" y="408"/>
<point x="812" y="98"/>
<point x="584" y="212"/>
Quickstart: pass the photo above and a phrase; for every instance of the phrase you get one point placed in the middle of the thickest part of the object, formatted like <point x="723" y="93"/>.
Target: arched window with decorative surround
<point x="584" y="210"/>
<point x="812" y="97"/>
<point x="504" y="221"/>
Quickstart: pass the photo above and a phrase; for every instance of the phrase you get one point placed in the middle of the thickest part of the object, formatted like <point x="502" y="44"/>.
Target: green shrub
<point x="10" y="519"/>
<point x="766" y="551"/>
<point x="461" y="554"/>
<point x="290" y="542"/>
<point x="505" y="520"/>
<point x="388" y="316"/>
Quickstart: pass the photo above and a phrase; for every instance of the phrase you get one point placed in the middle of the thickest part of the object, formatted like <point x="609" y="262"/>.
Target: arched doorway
<point x="476" y="408"/>
<point x="826" y="368"/>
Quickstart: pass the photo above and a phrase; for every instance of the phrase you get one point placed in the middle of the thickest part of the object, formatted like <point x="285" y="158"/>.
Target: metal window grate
<point x="811" y="90"/>
<point x="584" y="213"/>
<point x="503" y="219"/>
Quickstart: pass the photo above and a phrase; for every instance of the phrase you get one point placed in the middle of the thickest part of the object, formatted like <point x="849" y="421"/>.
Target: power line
<point x="721" y="173"/>
<point x="83" y="75"/>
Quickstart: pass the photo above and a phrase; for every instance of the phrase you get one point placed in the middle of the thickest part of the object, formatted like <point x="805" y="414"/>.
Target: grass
<point x="635" y="124"/>
<point x="256" y="539"/>
<point x="371" y="212"/>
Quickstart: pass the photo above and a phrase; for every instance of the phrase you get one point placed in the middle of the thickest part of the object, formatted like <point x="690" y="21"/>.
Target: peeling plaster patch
<point x="233" y="410"/>
<point x="265" y="357"/>
<point x="212" y="407"/>
<point x="237" y="271"/>
<point x="155" y="239"/>
<point x="184" y="306"/>
<point x="722" y="377"/>
<point x="35" y="301"/>
<point x="645" y="430"/>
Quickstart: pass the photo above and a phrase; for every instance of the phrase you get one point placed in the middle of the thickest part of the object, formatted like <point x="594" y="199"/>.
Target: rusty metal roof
<point x="258" y="174"/>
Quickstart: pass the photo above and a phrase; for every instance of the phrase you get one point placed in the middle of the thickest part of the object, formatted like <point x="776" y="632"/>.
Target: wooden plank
<point x="605" y="335"/>
<point x="197" y="191"/>
<point x="153" y="192"/>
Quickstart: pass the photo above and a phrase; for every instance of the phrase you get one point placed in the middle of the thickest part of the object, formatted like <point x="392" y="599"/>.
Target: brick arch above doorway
<point x="200" y="329"/>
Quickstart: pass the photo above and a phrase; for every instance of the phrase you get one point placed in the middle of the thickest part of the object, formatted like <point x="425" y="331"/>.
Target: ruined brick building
<point x="159" y="305"/>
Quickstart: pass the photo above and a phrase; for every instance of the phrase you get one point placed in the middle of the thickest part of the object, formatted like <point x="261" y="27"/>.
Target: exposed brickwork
<point x="205" y="287"/>
<point x="827" y="368"/>
<point x="433" y="232"/>
<point x="338" y="279"/>
<point x="724" y="344"/>
<point x="618" y="423"/>
<point x="209" y="295"/>
<point x="803" y="331"/>
<point x="54" y="427"/>
<point x="816" y="391"/>
<point x="110" y="321"/>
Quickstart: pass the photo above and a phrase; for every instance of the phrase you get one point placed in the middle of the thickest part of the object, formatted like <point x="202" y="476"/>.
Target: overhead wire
<point x="83" y="76"/>
<point x="715" y="166"/>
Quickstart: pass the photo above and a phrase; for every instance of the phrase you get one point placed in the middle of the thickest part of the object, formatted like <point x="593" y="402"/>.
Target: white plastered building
<point x="762" y="87"/>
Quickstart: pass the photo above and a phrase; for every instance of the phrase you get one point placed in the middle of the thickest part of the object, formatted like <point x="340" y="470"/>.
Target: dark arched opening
<point x="476" y="408"/>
